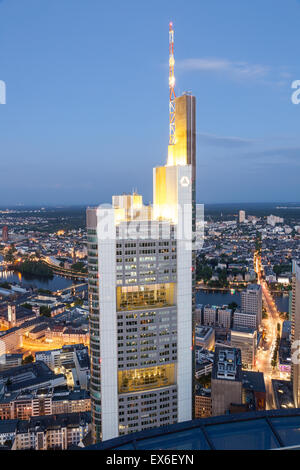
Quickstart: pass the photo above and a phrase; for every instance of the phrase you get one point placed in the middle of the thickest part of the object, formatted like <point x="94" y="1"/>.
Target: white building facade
<point x="141" y="270"/>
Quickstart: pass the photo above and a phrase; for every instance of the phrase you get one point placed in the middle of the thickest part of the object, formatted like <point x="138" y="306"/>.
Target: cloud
<point x="224" y="142"/>
<point x="225" y="66"/>
<point x="280" y="155"/>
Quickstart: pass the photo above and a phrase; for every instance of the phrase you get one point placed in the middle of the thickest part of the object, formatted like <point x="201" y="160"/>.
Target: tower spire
<point x="172" y="95"/>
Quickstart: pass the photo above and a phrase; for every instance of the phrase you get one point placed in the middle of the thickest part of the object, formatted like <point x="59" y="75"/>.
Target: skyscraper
<point x="252" y="301"/>
<point x="5" y="233"/>
<point x="141" y="276"/>
<point x="242" y="216"/>
<point x="295" y="330"/>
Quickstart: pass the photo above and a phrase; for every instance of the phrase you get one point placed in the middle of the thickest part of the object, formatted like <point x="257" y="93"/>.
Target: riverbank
<point x="55" y="283"/>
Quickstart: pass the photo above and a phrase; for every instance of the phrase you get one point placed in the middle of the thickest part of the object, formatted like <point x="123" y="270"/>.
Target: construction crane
<point x="172" y="96"/>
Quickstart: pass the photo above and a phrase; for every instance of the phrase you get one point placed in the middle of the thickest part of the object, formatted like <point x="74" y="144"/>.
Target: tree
<point x="5" y="285"/>
<point x="282" y="268"/>
<point x="79" y="266"/>
<point x="45" y="311"/>
<point x="9" y="256"/>
<point x="35" y="267"/>
<point x="28" y="359"/>
<point x="223" y="277"/>
<point x="44" y="291"/>
<point x="26" y="305"/>
<point x="203" y="271"/>
<point x="233" y="306"/>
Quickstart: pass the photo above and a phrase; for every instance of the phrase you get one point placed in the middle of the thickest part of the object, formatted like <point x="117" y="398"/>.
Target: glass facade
<point x="146" y="379"/>
<point x="261" y="430"/>
<point x="143" y="296"/>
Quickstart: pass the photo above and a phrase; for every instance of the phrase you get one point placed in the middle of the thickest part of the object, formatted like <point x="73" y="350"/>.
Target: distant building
<point x="295" y="332"/>
<point x="224" y="318"/>
<point x="244" y="320"/>
<point x="66" y="334"/>
<point x="203" y="403"/>
<point x="246" y="340"/>
<point x="290" y="304"/>
<point x="284" y="279"/>
<point x="198" y="314"/>
<point x="29" y="377"/>
<point x="12" y="315"/>
<point x="204" y="361"/>
<point x="254" y="390"/>
<point x="273" y="220"/>
<point x="283" y="394"/>
<point x="210" y="315"/>
<point x="10" y="360"/>
<point x="242" y="216"/>
<point x="286" y="329"/>
<point x="5" y="234"/>
<point x="54" y="432"/>
<point x="24" y="405"/>
<point x="284" y="354"/>
<point x="226" y="380"/>
<point x="205" y="337"/>
<point x="72" y="358"/>
<point x="252" y="301"/>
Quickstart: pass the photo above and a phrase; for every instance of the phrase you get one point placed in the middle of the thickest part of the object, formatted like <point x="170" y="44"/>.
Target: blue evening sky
<point x="87" y="97"/>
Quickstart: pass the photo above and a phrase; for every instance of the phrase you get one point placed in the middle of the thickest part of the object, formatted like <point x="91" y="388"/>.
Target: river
<point x="53" y="284"/>
<point x="224" y="298"/>
<point x="202" y="296"/>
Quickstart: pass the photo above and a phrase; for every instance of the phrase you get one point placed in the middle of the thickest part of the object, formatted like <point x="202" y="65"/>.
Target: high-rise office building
<point x="252" y="301"/>
<point x="244" y="320"/>
<point x="242" y="216"/>
<point x="141" y="275"/>
<point x="245" y="339"/>
<point x="5" y="233"/>
<point x="295" y="331"/>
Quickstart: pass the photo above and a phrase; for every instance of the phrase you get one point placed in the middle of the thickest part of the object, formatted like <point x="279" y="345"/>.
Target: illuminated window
<point x="146" y="379"/>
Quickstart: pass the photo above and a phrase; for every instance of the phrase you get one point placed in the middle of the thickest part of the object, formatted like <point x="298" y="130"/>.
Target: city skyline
<point x="83" y="112"/>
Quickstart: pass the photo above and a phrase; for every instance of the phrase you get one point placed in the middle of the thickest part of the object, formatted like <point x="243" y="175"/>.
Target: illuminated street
<point x="38" y="345"/>
<point x="266" y="349"/>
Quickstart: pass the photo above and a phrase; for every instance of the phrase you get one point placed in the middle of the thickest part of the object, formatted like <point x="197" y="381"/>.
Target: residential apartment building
<point x="42" y="402"/>
<point x="210" y="315"/>
<point x="55" y="432"/>
<point x="224" y="318"/>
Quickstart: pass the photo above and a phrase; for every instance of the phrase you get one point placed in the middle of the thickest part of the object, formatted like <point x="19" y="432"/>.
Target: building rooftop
<point x="25" y="376"/>
<point x="227" y="364"/>
<point x="283" y="394"/>
<point x="255" y="287"/>
<point x="243" y="329"/>
<point x="253" y="381"/>
<point x="53" y="421"/>
<point x="76" y="394"/>
<point x="8" y="425"/>
<point x="257" y="430"/>
<point x="203" y="331"/>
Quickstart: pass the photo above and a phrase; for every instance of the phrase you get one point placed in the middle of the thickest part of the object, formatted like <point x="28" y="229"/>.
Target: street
<point x="266" y="349"/>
